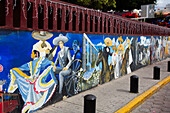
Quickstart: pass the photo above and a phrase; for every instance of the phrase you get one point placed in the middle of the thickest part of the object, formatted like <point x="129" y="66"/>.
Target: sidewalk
<point x="113" y="95"/>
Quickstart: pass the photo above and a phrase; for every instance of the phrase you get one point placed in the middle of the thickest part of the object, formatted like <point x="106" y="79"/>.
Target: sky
<point x="162" y="3"/>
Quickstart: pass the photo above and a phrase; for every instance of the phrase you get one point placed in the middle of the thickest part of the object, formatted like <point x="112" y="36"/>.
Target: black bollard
<point x="89" y="103"/>
<point x="168" y="66"/>
<point x="156" y="73"/>
<point x="134" y="84"/>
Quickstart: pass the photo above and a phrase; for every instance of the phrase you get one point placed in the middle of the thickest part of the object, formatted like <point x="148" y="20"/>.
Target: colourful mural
<point x="45" y="66"/>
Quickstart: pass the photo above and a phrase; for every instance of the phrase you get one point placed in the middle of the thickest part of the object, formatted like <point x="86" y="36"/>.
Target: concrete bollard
<point x="89" y="103"/>
<point x="134" y="80"/>
<point x="156" y="73"/>
<point x="168" y="66"/>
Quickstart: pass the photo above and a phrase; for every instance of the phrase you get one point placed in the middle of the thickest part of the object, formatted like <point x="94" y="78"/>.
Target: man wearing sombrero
<point x="63" y="59"/>
<point x="42" y="46"/>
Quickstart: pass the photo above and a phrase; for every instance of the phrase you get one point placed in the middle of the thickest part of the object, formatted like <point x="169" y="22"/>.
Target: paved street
<point x="157" y="103"/>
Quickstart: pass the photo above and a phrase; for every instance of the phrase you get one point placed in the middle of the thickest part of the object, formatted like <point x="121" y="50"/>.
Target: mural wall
<point x="44" y="66"/>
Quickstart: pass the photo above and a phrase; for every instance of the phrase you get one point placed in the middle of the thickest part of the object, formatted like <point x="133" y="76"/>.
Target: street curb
<point x="141" y="98"/>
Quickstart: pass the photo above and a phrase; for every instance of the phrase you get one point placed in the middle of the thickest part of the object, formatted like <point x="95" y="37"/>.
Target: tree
<point x="103" y="5"/>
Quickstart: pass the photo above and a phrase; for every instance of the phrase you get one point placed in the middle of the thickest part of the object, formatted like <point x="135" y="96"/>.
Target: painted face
<point x="61" y="44"/>
<point x="33" y="55"/>
<point x="75" y="46"/>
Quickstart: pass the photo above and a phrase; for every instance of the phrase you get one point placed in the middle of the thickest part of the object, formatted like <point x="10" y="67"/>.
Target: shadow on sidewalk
<point x="123" y="90"/>
<point x="148" y="78"/>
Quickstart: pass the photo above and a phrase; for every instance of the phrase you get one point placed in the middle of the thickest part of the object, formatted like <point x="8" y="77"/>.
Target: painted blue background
<point x="16" y="47"/>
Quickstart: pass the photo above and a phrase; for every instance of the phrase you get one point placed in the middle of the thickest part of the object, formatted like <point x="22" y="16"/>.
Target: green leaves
<point x="103" y="5"/>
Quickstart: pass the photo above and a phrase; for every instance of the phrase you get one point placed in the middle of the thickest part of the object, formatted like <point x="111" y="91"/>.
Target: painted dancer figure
<point x="33" y="79"/>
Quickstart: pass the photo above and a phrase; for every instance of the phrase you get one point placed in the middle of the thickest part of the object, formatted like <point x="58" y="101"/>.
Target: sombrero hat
<point x="114" y="47"/>
<point x="108" y="41"/>
<point x="62" y="38"/>
<point x="120" y="39"/>
<point x="41" y="35"/>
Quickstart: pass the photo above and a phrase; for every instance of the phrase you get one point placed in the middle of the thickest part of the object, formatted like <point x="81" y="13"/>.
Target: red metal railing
<point x="54" y="15"/>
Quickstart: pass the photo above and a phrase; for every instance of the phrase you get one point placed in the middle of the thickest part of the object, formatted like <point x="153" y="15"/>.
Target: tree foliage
<point x="103" y="5"/>
<point x="118" y="5"/>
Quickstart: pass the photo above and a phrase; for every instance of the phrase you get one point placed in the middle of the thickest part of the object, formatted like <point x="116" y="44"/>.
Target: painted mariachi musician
<point x="63" y="59"/>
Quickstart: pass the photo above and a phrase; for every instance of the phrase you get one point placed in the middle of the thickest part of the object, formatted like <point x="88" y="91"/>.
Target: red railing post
<point x="9" y="14"/>
<point x="77" y="19"/>
<point x="88" y="21"/>
<point x="23" y="14"/>
<point x="106" y="24"/>
<point x="111" y="25"/>
<point x="98" y="26"/>
<point x="35" y="15"/>
<point x="119" y="27"/>
<point x="55" y="9"/>
<point x="45" y="15"/>
<point x="94" y="16"/>
<point x="70" y="22"/>
<point x="103" y="19"/>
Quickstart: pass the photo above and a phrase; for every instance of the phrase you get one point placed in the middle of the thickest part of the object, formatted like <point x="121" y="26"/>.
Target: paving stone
<point x="146" y="106"/>
<point x="166" y="105"/>
<point x="158" y="102"/>
<point x="166" y="109"/>
<point x="156" y="106"/>
<point x="144" y="110"/>
<point x="114" y="94"/>
<point x="167" y="102"/>
<point x="157" y="110"/>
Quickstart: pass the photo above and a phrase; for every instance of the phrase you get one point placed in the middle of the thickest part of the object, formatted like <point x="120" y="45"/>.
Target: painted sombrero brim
<point x="37" y="36"/>
<point x="60" y="38"/>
